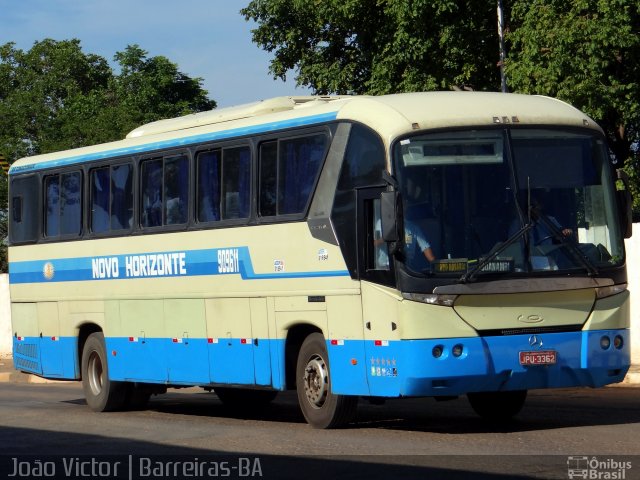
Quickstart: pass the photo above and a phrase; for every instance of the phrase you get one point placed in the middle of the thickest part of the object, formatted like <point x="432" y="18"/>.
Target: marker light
<point x="605" y="342"/>
<point x="437" y="351"/>
<point x="618" y="342"/>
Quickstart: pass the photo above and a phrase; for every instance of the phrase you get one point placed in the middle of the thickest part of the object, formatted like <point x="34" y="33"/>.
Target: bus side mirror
<point x="388" y="212"/>
<point x="625" y="204"/>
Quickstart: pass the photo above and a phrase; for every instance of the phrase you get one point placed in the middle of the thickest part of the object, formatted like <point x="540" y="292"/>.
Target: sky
<point x="205" y="38"/>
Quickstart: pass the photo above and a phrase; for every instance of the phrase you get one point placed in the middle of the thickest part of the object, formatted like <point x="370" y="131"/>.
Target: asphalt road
<point x="413" y="438"/>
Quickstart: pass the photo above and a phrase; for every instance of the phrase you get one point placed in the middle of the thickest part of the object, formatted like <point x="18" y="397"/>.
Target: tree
<point x="377" y="47"/>
<point x="586" y="52"/>
<point x="54" y="96"/>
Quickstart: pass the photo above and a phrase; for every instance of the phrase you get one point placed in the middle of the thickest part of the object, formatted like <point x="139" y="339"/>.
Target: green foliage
<point x="586" y="52"/>
<point x="54" y="96"/>
<point x="376" y="46"/>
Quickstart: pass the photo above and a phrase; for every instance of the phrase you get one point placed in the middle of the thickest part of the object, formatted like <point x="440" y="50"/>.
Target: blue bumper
<point x="409" y="368"/>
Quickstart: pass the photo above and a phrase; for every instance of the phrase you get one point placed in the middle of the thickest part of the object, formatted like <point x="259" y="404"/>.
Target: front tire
<point x="497" y="406"/>
<point x="320" y="406"/>
<point x="102" y="394"/>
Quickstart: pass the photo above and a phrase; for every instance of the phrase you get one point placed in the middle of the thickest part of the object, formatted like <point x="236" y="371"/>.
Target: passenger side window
<point x="63" y="204"/>
<point x="111" y="198"/>
<point x="164" y="185"/>
<point x="208" y="168"/>
<point x="235" y="182"/>
<point x="23" y="204"/>
<point x="268" y="179"/>
<point x="223" y="179"/>
<point x="288" y="172"/>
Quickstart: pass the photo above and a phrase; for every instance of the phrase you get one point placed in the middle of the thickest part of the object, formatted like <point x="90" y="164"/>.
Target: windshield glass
<point x="507" y="202"/>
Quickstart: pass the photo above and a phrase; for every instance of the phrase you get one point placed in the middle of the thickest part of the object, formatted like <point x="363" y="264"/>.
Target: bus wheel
<point x="102" y="394"/>
<point x="245" y="397"/>
<point x="320" y="407"/>
<point x="497" y="406"/>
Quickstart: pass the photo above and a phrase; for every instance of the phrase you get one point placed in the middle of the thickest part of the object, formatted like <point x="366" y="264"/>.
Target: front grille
<point x="502" y="332"/>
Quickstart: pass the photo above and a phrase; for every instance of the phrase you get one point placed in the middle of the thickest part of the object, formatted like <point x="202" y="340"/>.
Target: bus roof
<point x="390" y="115"/>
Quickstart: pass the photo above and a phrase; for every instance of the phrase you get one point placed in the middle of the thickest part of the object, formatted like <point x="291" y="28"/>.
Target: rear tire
<point x="102" y="394"/>
<point x="320" y="407"/>
<point x="497" y="406"/>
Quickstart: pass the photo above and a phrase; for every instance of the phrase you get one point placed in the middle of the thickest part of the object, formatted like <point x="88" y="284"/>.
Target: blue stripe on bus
<point x="179" y="142"/>
<point x="215" y="261"/>
<point x="195" y="361"/>
<point x="358" y="367"/>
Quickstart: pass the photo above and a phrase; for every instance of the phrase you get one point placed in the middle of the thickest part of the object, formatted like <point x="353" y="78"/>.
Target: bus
<point x="432" y="244"/>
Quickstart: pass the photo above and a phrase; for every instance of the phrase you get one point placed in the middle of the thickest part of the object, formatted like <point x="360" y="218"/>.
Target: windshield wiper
<point x="566" y="241"/>
<point x="467" y="277"/>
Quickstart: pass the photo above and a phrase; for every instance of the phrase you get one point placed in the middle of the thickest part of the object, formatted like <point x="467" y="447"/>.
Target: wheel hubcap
<point x="316" y="381"/>
<point x="95" y="372"/>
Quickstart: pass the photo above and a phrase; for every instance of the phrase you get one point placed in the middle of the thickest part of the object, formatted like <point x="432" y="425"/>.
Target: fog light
<point x="618" y="342"/>
<point x="437" y="351"/>
<point x="605" y="342"/>
<point x="457" y="350"/>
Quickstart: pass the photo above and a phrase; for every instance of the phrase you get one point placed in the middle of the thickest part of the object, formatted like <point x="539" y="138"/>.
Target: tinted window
<point x="268" y="178"/>
<point x="235" y="182"/>
<point x="208" y="205"/>
<point x="100" y="200"/>
<point x="176" y="190"/>
<point x="63" y="212"/>
<point x="288" y="172"/>
<point x="164" y="184"/>
<point x="151" y="188"/>
<point x="223" y="184"/>
<point x="121" y="197"/>
<point x="52" y="205"/>
<point x="24" y="219"/>
<point x="300" y="160"/>
<point x="111" y="198"/>
<point x="364" y="161"/>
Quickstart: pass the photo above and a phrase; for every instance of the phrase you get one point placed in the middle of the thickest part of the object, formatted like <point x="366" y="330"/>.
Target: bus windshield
<point x="509" y="201"/>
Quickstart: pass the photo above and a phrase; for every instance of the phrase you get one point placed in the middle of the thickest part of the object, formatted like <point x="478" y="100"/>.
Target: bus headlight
<point x="431" y="298"/>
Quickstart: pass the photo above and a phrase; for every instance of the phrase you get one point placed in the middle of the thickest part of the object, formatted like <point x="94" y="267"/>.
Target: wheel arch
<point x="295" y="336"/>
<point x="84" y="331"/>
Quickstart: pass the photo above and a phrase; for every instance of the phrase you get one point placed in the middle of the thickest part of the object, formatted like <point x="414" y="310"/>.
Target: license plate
<point x="542" y="357"/>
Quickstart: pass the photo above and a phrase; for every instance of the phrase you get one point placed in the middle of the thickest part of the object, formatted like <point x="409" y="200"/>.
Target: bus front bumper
<point x="430" y="368"/>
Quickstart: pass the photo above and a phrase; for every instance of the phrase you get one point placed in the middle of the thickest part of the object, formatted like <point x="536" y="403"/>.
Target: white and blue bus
<point x="411" y="245"/>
